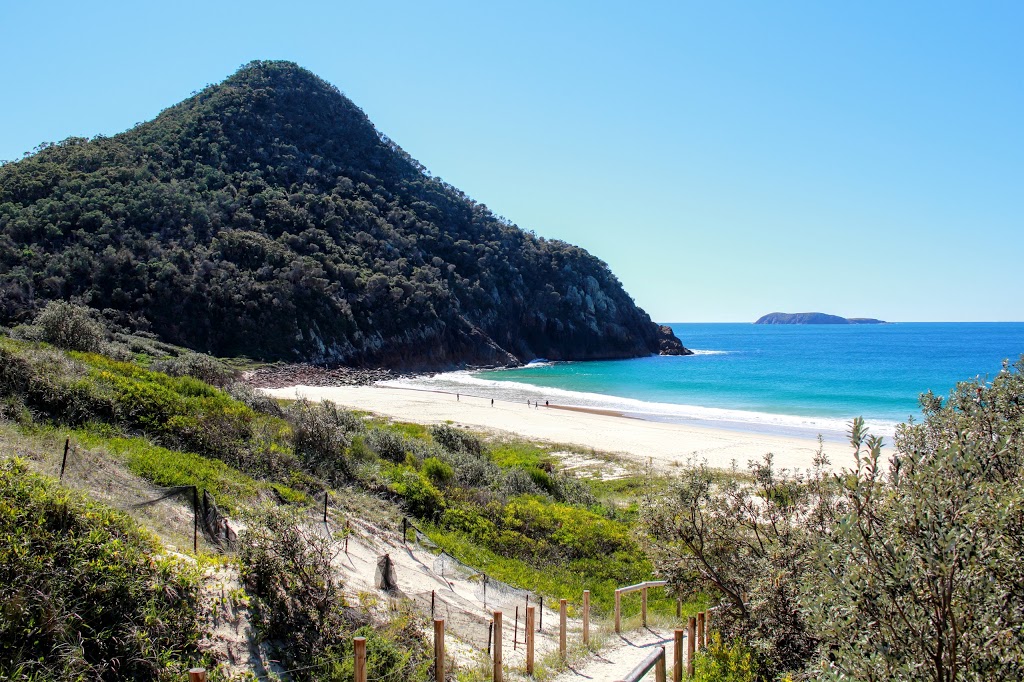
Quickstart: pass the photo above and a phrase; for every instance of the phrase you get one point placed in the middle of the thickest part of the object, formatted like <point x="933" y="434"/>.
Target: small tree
<point x="70" y="326"/>
<point x="923" y="579"/>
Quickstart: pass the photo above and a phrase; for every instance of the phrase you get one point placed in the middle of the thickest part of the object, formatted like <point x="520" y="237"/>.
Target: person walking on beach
<point x="456" y="397"/>
<point x="492" y="402"/>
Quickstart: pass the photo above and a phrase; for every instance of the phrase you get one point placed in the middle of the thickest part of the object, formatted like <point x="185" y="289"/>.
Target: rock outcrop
<point x="669" y="344"/>
<point x="813" y="318"/>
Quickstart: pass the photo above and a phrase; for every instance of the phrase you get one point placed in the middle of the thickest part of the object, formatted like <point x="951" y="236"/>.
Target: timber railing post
<point x="497" y="647"/>
<point x="618" y="611"/>
<point x="659" y="667"/>
<point x="643" y="606"/>
<point x="700" y="630"/>
<point x="197" y="675"/>
<point x="691" y="641"/>
<point x="360" y="667"/>
<point x="677" y="655"/>
<point x="438" y="650"/>
<point x="707" y="627"/>
<point x="529" y="639"/>
<point x="586" y="617"/>
<point x="561" y="627"/>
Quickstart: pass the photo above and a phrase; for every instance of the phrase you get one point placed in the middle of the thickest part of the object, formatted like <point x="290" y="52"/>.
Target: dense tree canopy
<point x="267" y="216"/>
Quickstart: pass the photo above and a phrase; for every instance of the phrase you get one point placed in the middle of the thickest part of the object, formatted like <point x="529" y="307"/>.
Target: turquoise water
<point x="774" y="377"/>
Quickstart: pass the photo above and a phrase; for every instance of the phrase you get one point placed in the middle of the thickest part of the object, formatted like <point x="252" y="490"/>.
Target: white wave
<point x="698" y="351"/>
<point x="832" y="428"/>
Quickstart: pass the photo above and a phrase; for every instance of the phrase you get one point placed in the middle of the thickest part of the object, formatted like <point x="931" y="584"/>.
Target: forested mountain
<point x="266" y="216"/>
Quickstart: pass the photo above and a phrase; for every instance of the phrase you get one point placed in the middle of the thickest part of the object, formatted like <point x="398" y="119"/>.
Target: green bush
<point x="85" y="593"/>
<point x="456" y="440"/>
<point x="70" y="326"/>
<point x="722" y="662"/>
<point x="287" y="566"/>
<point x="388" y="445"/>
<point x="198" y="366"/>
<point x="437" y="471"/>
<point x="320" y="436"/>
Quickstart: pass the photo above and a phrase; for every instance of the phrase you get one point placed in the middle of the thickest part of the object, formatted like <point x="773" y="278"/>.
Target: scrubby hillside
<point x="266" y="216"/>
<point x="170" y="419"/>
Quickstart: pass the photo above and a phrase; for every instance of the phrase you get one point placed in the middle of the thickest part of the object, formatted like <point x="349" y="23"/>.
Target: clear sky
<point x="726" y="159"/>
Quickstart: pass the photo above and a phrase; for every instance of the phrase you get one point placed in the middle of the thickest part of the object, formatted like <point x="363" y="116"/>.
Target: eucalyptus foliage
<point x="911" y="569"/>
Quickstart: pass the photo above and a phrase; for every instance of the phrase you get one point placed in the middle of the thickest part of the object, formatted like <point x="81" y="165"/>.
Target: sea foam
<point x="464" y="382"/>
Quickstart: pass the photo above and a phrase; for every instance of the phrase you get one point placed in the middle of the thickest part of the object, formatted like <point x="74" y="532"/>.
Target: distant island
<point x="814" y="318"/>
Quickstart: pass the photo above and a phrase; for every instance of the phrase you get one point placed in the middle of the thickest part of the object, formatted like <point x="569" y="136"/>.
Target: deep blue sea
<point x="779" y="378"/>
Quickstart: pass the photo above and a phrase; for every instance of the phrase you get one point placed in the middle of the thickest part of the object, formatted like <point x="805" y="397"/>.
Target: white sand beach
<point x="663" y="444"/>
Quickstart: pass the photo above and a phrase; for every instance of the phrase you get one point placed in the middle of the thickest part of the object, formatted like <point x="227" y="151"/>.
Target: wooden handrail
<point x="642" y="587"/>
<point x="656" y="660"/>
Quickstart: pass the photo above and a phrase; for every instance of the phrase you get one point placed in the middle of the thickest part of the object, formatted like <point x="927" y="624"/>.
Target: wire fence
<point x="184" y="511"/>
<point x="189" y="512"/>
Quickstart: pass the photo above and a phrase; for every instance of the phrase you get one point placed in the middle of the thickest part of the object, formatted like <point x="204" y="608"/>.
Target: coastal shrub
<point x="301" y="610"/>
<point x="198" y="366"/>
<point x="470" y="471"/>
<point x="287" y="567"/>
<point x="255" y="401"/>
<point x="456" y="440"/>
<point x="518" y="481"/>
<point x="421" y="497"/>
<point x="388" y="445"/>
<point x="437" y="471"/>
<point x="70" y="326"/>
<point x="85" y="593"/>
<point x="320" y="437"/>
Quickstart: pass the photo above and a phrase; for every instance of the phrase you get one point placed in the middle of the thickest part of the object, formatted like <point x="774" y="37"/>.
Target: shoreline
<point x="665" y="444"/>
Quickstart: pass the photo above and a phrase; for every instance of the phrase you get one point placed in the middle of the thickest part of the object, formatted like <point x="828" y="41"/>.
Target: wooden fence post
<point x="700" y="630"/>
<point x="707" y="627"/>
<point x="64" y="463"/>
<point x="497" y="647"/>
<point x="439" y="649"/>
<point x="643" y="606"/>
<point x="360" y="668"/>
<point x="679" y="607"/>
<point x="618" y="611"/>
<point x="515" y="632"/>
<point x="561" y="627"/>
<point x="529" y="639"/>
<point x="659" y="667"/>
<point x="195" y="520"/>
<point x="197" y="675"/>
<point x="586" y="617"/>
<point x="691" y="642"/>
<point x="677" y="655"/>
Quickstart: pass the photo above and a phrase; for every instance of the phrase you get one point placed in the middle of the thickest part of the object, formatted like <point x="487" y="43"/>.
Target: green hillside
<point x="266" y="216"/>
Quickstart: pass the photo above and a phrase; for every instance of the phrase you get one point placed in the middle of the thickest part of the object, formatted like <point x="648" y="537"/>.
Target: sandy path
<point x="665" y="444"/>
<point x="621" y="655"/>
<point x="457" y="598"/>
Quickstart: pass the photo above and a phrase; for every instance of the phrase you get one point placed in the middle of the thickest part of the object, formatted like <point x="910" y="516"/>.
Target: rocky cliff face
<point x="267" y="217"/>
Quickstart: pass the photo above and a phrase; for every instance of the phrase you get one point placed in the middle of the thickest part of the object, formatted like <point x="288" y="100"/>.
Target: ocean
<point x="800" y="380"/>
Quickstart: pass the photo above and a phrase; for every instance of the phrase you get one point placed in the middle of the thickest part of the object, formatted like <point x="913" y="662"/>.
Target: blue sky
<point x="726" y="159"/>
